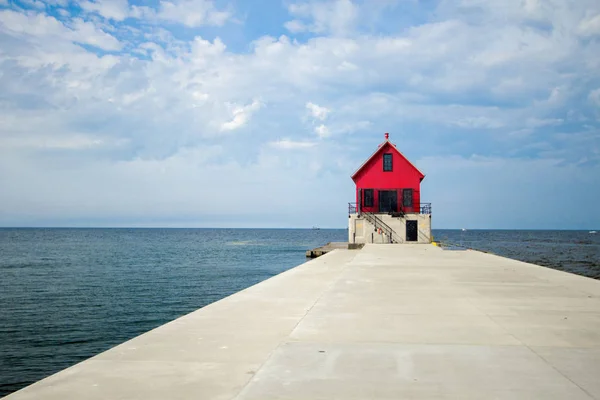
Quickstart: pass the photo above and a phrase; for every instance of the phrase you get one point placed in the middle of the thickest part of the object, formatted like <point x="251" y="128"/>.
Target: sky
<point x="201" y="113"/>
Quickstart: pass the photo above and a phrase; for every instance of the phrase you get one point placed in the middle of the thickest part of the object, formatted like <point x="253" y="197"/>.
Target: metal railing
<point x="352" y="208"/>
<point x="424" y="208"/>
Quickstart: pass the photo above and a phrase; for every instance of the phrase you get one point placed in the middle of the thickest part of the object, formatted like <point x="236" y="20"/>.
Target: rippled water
<point x="67" y="294"/>
<point x="573" y="251"/>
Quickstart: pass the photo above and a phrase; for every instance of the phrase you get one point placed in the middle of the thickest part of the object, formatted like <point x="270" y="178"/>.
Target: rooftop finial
<point x="387" y="136"/>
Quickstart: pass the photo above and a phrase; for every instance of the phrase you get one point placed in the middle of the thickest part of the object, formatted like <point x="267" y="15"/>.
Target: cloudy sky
<point x="255" y="113"/>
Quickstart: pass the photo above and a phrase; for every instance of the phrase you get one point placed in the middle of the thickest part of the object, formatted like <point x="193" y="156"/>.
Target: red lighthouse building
<point x="388" y="207"/>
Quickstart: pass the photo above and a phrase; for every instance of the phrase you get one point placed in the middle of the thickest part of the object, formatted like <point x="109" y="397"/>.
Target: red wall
<point x="403" y="176"/>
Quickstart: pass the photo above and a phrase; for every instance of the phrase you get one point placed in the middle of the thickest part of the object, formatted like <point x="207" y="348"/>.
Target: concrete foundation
<point x="384" y="322"/>
<point x="362" y="230"/>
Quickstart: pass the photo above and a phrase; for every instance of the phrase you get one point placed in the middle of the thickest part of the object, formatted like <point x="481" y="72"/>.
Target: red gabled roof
<point x="381" y="147"/>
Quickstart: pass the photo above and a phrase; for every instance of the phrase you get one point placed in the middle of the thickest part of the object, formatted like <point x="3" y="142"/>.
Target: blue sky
<point x="199" y="113"/>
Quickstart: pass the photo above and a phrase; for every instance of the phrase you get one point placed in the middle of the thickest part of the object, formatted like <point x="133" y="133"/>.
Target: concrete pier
<point x="328" y="248"/>
<point x="384" y="322"/>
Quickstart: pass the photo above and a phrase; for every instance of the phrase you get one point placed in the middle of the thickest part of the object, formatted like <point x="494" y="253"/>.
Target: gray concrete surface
<point x="328" y="248"/>
<point x="385" y="322"/>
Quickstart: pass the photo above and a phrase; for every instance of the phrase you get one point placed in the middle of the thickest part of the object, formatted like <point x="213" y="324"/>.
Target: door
<point x="388" y="201"/>
<point x="411" y="231"/>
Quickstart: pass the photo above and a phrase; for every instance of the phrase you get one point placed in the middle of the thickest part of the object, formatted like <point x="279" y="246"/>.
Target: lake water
<point x="572" y="251"/>
<point x="68" y="294"/>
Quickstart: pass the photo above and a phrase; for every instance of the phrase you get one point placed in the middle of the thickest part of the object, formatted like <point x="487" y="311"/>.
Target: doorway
<point x="412" y="233"/>
<point x="388" y="201"/>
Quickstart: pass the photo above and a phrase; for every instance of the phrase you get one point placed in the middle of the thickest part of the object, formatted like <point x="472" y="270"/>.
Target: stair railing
<point x="378" y="223"/>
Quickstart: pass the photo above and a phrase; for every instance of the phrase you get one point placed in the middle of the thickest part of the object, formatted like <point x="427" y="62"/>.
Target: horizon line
<point x="279" y="228"/>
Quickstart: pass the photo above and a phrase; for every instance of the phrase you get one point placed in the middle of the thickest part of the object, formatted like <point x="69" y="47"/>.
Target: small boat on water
<point x="315" y="228"/>
<point x="464" y="230"/>
<point x="592" y="232"/>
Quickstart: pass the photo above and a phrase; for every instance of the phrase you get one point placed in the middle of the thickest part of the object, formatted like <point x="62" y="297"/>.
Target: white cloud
<point x="335" y="17"/>
<point x="391" y="45"/>
<point x="47" y="28"/>
<point x="317" y="111"/>
<point x="477" y="123"/>
<point x="347" y="66"/>
<point x="322" y="131"/>
<point x="541" y="122"/>
<point x="111" y="9"/>
<point x="288" y="144"/>
<point x="192" y="13"/>
<point x="557" y="96"/>
<point x="88" y="33"/>
<point x="295" y="26"/>
<point x="142" y="12"/>
<point x="73" y="142"/>
<point x="30" y="24"/>
<point x="590" y="26"/>
<point x="241" y="115"/>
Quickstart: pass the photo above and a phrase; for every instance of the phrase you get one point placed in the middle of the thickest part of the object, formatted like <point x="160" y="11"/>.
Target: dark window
<point x="407" y="197"/>
<point x="387" y="162"/>
<point x="368" y="198"/>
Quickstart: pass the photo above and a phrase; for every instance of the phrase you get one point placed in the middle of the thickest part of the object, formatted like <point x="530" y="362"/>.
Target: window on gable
<point x="368" y="197"/>
<point x="387" y="162"/>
